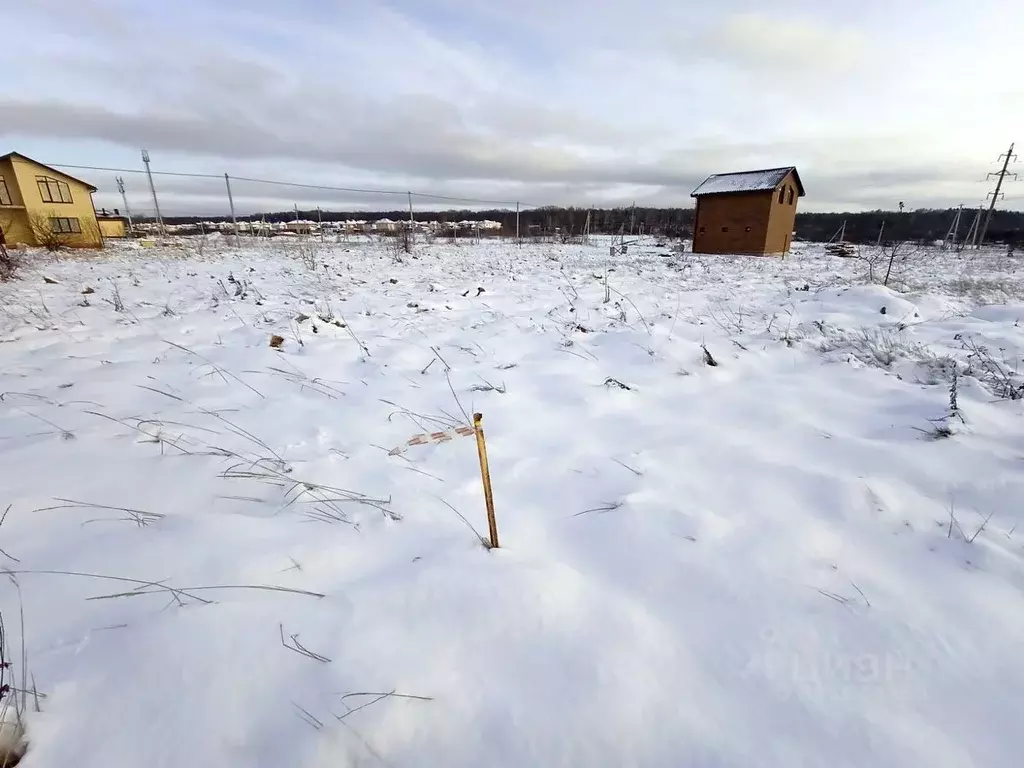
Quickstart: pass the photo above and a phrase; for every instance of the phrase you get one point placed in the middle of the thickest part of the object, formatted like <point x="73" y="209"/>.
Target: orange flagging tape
<point x="434" y="437"/>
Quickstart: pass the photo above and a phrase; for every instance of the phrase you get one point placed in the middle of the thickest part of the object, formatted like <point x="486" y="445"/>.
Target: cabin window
<point x="52" y="190"/>
<point x="746" y="229"/>
<point x="66" y="226"/>
<point x="5" y="194"/>
<point x="789" y="198"/>
<point x="725" y="229"/>
<point x="782" y="195"/>
<point x="702" y="230"/>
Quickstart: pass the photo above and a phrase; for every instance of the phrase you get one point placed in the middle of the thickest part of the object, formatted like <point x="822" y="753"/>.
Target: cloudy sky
<point x="585" y="102"/>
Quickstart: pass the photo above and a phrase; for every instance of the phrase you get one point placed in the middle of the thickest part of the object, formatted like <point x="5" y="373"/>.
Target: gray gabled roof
<point x="747" y="181"/>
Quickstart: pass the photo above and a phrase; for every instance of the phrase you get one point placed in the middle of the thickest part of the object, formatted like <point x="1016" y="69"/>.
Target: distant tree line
<point x="865" y="227"/>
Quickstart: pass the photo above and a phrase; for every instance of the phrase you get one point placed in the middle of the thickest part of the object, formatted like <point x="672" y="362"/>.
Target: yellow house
<point x="112" y="225"/>
<point x="40" y="205"/>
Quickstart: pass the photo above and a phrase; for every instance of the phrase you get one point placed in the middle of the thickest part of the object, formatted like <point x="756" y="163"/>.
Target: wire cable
<point x="298" y="185"/>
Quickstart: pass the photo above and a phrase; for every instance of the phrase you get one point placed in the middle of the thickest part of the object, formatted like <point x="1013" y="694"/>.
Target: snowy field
<point x="752" y="511"/>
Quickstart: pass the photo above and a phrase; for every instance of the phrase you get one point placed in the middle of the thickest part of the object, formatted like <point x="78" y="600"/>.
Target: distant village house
<point x="112" y="225"/>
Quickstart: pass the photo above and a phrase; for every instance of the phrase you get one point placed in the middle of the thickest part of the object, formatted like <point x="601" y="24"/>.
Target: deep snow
<point x="746" y="564"/>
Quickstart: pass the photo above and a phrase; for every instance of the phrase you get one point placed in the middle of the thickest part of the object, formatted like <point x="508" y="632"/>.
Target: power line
<point x="133" y="170"/>
<point x="294" y="184"/>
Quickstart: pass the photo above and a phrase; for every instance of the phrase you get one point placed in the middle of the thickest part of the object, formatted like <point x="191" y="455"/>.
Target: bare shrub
<point x="309" y="252"/>
<point x="882" y="260"/>
<point x="14" y="685"/>
<point x="399" y="243"/>
<point x="1000" y="376"/>
<point x="9" y="264"/>
<point x="880" y="347"/>
<point x="44" y="234"/>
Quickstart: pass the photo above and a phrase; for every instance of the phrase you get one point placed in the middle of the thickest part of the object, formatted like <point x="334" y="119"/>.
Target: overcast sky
<point x="585" y="102"/>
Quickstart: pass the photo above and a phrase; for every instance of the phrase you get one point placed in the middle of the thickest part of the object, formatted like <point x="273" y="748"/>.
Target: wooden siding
<point x="783" y="218"/>
<point x="721" y="223"/>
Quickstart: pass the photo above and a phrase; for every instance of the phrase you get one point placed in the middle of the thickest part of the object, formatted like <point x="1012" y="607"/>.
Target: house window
<point x="725" y="229"/>
<point x="782" y="195"/>
<point x="66" y="226"/>
<point x="52" y="190"/>
<point x="789" y="199"/>
<point x="5" y="194"/>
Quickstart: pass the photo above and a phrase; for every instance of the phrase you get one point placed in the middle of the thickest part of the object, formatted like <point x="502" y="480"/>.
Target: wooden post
<point x="485" y="476"/>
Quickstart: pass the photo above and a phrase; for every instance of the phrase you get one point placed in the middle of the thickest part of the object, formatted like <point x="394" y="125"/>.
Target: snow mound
<point x="1009" y="313"/>
<point x="860" y="305"/>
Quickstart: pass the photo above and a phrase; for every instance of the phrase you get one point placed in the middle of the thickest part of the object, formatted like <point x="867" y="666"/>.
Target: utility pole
<point x="840" y="233"/>
<point x="124" y="202"/>
<point x="412" y="227"/>
<point x="972" y="233"/>
<point x="1006" y="158"/>
<point x="950" y="240"/>
<point x="152" y="189"/>
<point x="231" y="205"/>
<point x="519" y="240"/>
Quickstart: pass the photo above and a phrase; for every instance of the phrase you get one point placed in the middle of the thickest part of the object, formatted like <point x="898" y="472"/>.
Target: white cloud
<point x="784" y="46"/>
<point x="567" y="102"/>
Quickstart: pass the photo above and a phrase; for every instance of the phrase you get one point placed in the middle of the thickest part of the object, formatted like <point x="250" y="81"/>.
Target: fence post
<point x="231" y="203"/>
<point x="485" y="476"/>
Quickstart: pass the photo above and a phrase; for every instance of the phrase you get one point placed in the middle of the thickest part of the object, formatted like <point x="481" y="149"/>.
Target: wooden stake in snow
<point x="485" y="476"/>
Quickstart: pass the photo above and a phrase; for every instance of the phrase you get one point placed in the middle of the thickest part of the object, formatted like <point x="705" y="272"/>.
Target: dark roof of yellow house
<point x="48" y="167"/>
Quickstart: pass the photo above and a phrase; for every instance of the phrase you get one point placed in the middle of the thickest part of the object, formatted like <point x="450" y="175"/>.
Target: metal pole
<point x="320" y="222"/>
<point x="995" y="196"/>
<point x="231" y="203"/>
<point x="972" y="231"/>
<point x="152" y="189"/>
<point x="124" y="202"/>
<point x="954" y="229"/>
<point x="412" y="227"/>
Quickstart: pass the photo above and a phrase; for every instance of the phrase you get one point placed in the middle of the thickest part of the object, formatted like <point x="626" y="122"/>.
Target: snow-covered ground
<point x="798" y="555"/>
